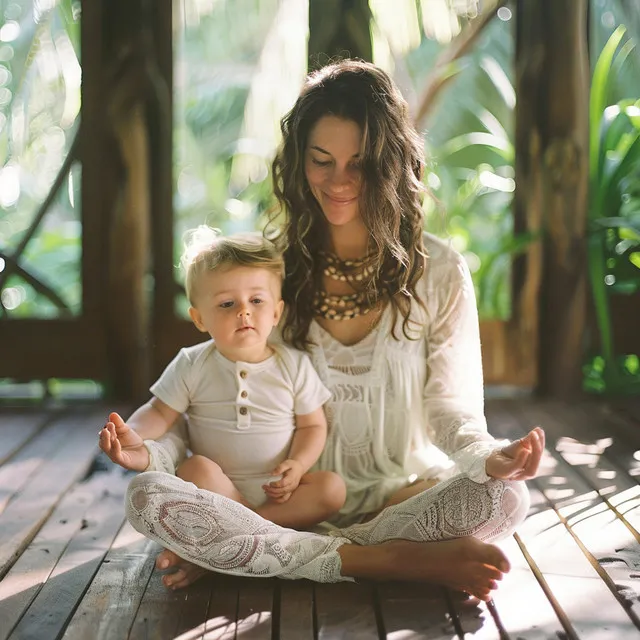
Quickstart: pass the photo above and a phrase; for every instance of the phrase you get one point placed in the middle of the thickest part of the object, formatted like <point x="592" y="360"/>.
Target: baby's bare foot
<point x="184" y="574"/>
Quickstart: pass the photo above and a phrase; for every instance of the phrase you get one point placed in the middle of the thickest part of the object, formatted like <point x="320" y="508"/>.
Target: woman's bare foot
<point x="185" y="572"/>
<point x="463" y="564"/>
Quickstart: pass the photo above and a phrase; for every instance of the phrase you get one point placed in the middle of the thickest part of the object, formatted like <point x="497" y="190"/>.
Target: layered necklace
<point x="354" y="272"/>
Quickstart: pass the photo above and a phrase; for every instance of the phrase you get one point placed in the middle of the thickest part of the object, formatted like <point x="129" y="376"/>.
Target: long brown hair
<point x="390" y="202"/>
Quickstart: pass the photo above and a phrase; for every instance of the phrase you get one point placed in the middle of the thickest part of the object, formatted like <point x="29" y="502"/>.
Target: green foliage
<point x="469" y="143"/>
<point x="614" y="208"/>
<point x="217" y="52"/>
<point x="39" y="104"/>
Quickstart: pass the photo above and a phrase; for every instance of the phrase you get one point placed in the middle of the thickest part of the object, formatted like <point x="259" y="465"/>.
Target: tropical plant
<point x="39" y="190"/>
<point x="614" y="211"/>
<point x="469" y="140"/>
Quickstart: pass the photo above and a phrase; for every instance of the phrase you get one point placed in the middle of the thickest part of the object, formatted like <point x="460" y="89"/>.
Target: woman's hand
<point x="281" y="490"/>
<point x="519" y="460"/>
<point x="123" y="445"/>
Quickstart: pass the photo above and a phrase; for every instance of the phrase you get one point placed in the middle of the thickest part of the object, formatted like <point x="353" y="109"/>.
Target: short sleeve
<point x="173" y="387"/>
<point x="309" y="392"/>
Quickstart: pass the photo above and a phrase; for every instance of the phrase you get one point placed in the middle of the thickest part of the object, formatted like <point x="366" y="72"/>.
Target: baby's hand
<point x="519" y="460"/>
<point x="281" y="490"/>
<point x="123" y="445"/>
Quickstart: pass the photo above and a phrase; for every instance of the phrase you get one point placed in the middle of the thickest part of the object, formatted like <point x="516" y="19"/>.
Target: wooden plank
<point x="521" y="607"/>
<point x="193" y="608"/>
<point x="296" y="610"/>
<point x="160" y="614"/>
<point x="18" y="472"/>
<point x="27" y="576"/>
<point x="593" y="445"/>
<point x="222" y="615"/>
<point x="25" y="514"/>
<point x="589" y="604"/>
<point x="55" y="603"/>
<point x="17" y="428"/>
<point x="597" y="527"/>
<point x="255" y="606"/>
<point x="471" y="618"/>
<point x="110" y="605"/>
<point x="599" y="446"/>
<point x="38" y="349"/>
<point x="414" y="610"/>
<point x="591" y="610"/>
<point x="630" y="407"/>
<point x="345" y="611"/>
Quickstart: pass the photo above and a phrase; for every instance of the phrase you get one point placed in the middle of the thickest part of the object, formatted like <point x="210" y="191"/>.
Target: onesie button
<point x="243" y="411"/>
<point x="243" y="374"/>
<point x="244" y="394"/>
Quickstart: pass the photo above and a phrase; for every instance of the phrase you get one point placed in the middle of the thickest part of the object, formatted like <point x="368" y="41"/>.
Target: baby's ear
<point x="195" y="316"/>
<point x="278" y="312"/>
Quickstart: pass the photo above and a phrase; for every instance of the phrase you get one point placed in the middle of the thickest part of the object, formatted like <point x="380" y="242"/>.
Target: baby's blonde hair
<point x="206" y="249"/>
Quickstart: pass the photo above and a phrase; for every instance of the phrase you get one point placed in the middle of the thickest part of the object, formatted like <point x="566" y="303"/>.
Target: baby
<point x="254" y="406"/>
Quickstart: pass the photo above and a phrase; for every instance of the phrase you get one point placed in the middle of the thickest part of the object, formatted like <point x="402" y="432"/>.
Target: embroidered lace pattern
<point x="162" y="455"/>
<point x="393" y="400"/>
<point x="455" y="508"/>
<point x="221" y="535"/>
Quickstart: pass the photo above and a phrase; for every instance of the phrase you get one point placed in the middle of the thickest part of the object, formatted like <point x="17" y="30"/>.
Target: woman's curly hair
<point x="390" y="202"/>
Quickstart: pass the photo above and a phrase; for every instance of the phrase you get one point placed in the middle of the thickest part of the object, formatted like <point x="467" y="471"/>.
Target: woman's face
<point x="332" y="167"/>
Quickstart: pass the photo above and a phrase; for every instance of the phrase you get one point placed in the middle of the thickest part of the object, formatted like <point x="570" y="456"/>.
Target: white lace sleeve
<point x="454" y="391"/>
<point x="169" y="451"/>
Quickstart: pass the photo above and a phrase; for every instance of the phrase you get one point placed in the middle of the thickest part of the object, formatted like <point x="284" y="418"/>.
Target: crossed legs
<point x="432" y="537"/>
<point x="319" y="495"/>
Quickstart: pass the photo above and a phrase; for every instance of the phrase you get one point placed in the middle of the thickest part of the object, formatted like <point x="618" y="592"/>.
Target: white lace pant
<point x="224" y="536"/>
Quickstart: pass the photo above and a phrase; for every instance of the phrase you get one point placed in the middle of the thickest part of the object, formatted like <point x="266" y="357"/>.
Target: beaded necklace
<point x="351" y="305"/>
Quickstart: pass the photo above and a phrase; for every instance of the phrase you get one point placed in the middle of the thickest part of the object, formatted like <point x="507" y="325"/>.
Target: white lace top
<point x="393" y="400"/>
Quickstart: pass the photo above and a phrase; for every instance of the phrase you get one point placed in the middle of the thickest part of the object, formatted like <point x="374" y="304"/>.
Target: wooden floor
<point x="72" y="568"/>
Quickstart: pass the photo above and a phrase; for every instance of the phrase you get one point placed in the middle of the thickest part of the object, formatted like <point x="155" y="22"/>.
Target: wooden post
<point x="339" y="29"/>
<point x="552" y="86"/>
<point x="127" y="90"/>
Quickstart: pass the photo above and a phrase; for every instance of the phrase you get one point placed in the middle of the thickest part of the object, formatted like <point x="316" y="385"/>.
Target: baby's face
<point x="238" y="307"/>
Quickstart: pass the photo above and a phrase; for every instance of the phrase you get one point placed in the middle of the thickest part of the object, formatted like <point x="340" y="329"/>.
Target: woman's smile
<point x="332" y="168"/>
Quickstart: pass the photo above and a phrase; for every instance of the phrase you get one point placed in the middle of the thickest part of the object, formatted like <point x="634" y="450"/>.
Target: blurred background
<point x="122" y="124"/>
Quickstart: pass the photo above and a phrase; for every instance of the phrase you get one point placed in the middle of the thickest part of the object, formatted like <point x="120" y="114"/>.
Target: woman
<point x="389" y="317"/>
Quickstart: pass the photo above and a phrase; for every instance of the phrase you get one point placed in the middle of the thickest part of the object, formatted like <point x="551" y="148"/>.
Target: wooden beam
<point x="162" y="181"/>
<point x="552" y="86"/>
<point x="339" y="29"/>
<point x="37" y="349"/>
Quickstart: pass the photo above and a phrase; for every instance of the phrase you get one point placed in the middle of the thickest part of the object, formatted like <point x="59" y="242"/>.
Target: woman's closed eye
<point x="321" y="163"/>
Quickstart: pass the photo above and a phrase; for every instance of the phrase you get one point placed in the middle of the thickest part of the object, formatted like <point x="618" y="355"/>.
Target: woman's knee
<point x="137" y="499"/>
<point x="489" y="511"/>
<point x="515" y="501"/>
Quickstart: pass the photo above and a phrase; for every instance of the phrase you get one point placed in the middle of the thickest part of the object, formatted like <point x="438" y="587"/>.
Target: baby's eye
<point x="226" y="305"/>
<point x="257" y="301"/>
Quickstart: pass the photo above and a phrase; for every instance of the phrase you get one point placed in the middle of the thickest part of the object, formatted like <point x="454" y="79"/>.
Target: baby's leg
<point x="319" y="495"/>
<point x="206" y="474"/>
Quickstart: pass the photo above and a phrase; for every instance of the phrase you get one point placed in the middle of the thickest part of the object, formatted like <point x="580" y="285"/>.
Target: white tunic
<point x="397" y="405"/>
<point x="393" y="400"/>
